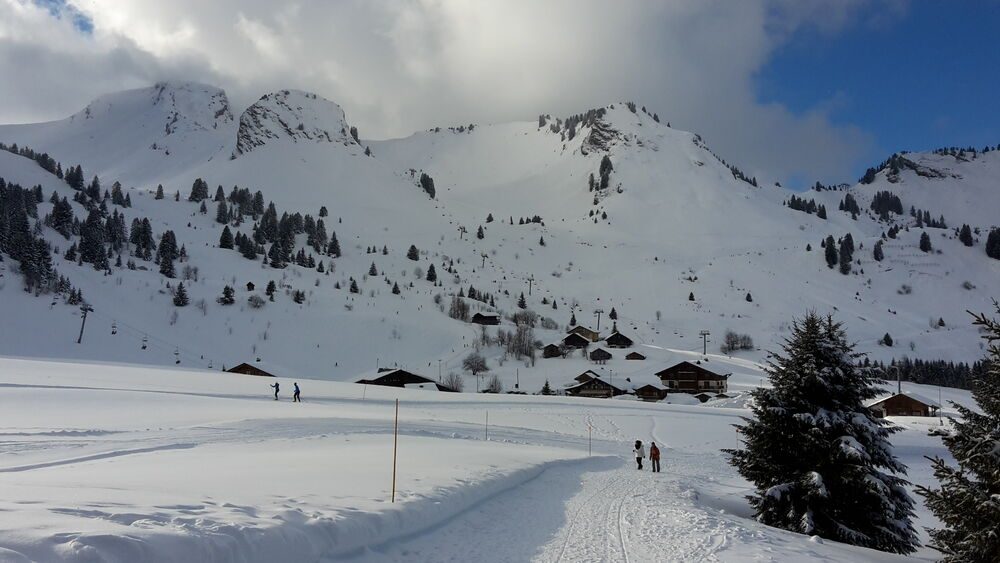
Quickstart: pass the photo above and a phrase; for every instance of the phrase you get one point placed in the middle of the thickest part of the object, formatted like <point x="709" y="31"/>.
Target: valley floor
<point x="123" y="463"/>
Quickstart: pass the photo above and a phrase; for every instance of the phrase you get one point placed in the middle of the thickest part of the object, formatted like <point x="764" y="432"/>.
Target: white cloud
<point x="400" y="66"/>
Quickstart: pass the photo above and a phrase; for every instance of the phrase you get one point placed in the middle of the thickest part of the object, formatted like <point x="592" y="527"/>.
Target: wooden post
<point x="590" y="447"/>
<point x="487" y="426"/>
<point x="395" y="441"/>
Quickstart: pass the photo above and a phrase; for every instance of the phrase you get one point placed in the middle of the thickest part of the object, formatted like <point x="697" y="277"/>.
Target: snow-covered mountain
<point x="630" y="214"/>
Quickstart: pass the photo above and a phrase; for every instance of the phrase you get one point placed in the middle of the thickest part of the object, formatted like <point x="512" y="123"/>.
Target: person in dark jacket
<point x="275" y="387"/>
<point x="640" y="453"/>
<point x="295" y="393"/>
<point x="654" y="456"/>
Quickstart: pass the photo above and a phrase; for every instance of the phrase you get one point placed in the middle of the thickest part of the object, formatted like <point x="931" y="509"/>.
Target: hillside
<point x="673" y="220"/>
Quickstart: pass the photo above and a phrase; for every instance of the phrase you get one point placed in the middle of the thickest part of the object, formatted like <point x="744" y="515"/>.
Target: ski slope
<point x="103" y="462"/>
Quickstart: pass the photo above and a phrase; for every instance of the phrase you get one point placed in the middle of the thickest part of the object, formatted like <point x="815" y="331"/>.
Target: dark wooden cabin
<point x="686" y="377"/>
<point x="600" y="356"/>
<point x="250" y="369"/>
<point x="486" y="319"/>
<point x="903" y="404"/>
<point x="650" y="392"/>
<point x="574" y="340"/>
<point x="618" y="340"/>
<point x="388" y="377"/>
<point x="594" y="387"/>
<point x="552" y="351"/>
<point x="585" y="332"/>
<point x="635" y="356"/>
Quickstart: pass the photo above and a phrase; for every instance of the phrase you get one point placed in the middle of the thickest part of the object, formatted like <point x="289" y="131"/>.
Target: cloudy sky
<point x="796" y="90"/>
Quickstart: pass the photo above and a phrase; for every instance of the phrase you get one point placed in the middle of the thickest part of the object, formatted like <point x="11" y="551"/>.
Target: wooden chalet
<point x="903" y="404"/>
<point x="250" y="369"/>
<point x="618" y="340"/>
<point x="600" y="356"/>
<point x="390" y="377"/>
<point x="574" y="340"/>
<point x="594" y="387"/>
<point x="552" y="351"/>
<point x="586" y="376"/>
<point x="686" y="377"/>
<point x="651" y="392"/>
<point x="585" y="332"/>
<point x="486" y="319"/>
<point x="634" y="356"/>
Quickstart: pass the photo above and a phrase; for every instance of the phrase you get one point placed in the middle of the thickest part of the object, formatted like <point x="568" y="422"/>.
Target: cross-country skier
<point x="275" y="386"/>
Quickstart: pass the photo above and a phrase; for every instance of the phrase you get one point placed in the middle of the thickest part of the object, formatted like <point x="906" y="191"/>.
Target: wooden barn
<point x="686" y="377"/>
<point x="390" y="377"/>
<point x="552" y="351"/>
<point x="574" y="340"/>
<point x="635" y="356"/>
<point x="903" y="404"/>
<point x="585" y="332"/>
<point x="600" y="356"/>
<point x="250" y="369"/>
<point x="651" y="392"/>
<point x="486" y="319"/>
<point x="618" y="340"/>
<point x="594" y="387"/>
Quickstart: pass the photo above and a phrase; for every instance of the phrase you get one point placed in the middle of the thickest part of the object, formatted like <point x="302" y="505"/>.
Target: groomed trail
<point x="111" y="463"/>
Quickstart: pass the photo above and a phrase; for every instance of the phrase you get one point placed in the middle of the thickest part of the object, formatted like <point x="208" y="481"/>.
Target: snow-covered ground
<point x="104" y="462"/>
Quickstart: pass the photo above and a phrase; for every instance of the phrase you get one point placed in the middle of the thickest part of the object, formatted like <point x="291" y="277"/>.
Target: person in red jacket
<point x="654" y="456"/>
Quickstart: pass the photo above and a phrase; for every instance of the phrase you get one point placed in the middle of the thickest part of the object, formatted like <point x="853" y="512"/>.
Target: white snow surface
<point x="102" y="462"/>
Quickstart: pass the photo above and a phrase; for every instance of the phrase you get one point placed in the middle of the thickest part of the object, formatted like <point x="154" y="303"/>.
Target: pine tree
<point x="572" y="318"/>
<point x="967" y="502"/>
<point x="821" y="463"/>
<point x="480" y="234"/>
<point x="228" y="296"/>
<point x="159" y="192"/>
<point x="846" y="254"/>
<point x="180" y="296"/>
<point x="222" y="211"/>
<point x="749" y="298"/>
<point x="271" y="289"/>
<point x="395" y="289"/>
<point x="877" y="252"/>
<point x="965" y="235"/>
<point x="521" y="302"/>
<point x="925" y="242"/>
<point x="691" y="296"/>
<point x="831" y="252"/>
<point x="546" y="389"/>
<point x="333" y="249"/>
<point x="886" y="340"/>
<point x="226" y="238"/>
<point x="993" y="244"/>
<point x="413" y="253"/>
<point x="373" y="271"/>
<point x="354" y="287"/>
<point x="431" y="274"/>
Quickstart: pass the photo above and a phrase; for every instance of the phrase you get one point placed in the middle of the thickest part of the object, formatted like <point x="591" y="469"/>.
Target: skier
<point x="295" y="393"/>
<point x="654" y="456"/>
<point x="275" y="386"/>
<point x="640" y="452"/>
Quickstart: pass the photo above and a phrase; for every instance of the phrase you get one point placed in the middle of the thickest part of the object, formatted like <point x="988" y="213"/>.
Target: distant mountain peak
<point x="292" y="116"/>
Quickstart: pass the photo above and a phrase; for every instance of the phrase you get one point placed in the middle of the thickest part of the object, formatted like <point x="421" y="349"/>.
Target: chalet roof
<point x="272" y="369"/>
<point x="600" y="353"/>
<point x="703" y="371"/>
<point x="581" y="327"/>
<point x="597" y="382"/>
<point x="907" y="394"/>
<point x="487" y="315"/>
<point x="571" y="337"/>
<point x="587" y="376"/>
<point x="617" y="336"/>
<point x="635" y="356"/>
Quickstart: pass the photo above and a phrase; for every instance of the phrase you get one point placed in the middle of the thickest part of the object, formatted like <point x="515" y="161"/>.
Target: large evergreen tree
<point x="968" y="502"/>
<point x="925" y="242"/>
<point x="821" y="463"/>
<point x="831" y="252"/>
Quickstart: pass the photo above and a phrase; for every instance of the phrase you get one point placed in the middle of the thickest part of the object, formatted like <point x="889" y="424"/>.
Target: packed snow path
<point x="122" y="463"/>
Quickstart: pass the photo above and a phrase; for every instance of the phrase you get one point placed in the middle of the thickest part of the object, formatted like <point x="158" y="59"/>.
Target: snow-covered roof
<point x="910" y="394"/>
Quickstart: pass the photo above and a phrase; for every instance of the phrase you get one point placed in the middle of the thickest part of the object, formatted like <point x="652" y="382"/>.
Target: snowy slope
<point x="123" y="463"/>
<point x="677" y="223"/>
